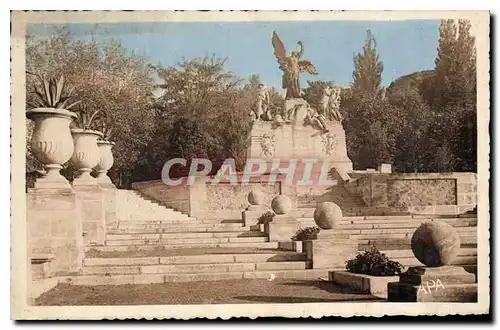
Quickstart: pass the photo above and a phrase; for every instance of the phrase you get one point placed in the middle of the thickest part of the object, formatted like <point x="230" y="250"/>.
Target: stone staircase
<point x="154" y="244"/>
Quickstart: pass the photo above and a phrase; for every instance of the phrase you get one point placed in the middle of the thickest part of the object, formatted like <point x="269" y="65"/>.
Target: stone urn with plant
<point x="106" y="155"/>
<point x="86" y="153"/>
<point x="49" y="102"/>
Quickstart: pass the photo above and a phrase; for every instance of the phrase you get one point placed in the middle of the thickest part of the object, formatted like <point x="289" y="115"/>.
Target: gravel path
<point x="203" y="292"/>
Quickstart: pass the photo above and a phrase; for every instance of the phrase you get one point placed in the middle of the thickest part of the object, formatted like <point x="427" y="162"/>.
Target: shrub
<point x="373" y="262"/>
<point x="266" y="217"/>
<point x="305" y="234"/>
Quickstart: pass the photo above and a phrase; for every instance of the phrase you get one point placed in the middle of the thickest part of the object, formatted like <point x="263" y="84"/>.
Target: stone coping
<point x="375" y="285"/>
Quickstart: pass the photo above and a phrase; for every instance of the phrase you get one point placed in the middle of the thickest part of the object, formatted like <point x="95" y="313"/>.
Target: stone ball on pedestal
<point x="327" y="215"/>
<point x="256" y="197"/>
<point x="435" y="244"/>
<point x="281" y="204"/>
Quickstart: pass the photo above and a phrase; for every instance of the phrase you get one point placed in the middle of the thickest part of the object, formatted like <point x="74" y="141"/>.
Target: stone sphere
<point x="327" y="215"/>
<point x="281" y="204"/>
<point x="435" y="244"/>
<point x="256" y="197"/>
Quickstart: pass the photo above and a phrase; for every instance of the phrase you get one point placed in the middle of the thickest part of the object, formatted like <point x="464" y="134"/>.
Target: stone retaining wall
<point x="418" y="191"/>
<point x="203" y="199"/>
<point x="176" y="197"/>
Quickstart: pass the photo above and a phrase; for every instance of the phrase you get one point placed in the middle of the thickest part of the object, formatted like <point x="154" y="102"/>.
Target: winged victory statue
<point x="292" y="66"/>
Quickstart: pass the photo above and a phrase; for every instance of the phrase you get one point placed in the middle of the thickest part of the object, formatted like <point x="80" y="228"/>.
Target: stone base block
<point x="404" y="292"/>
<point x="444" y="275"/>
<point x="375" y="285"/>
<point x="434" y="284"/>
<point x="94" y="215"/>
<point x="54" y="220"/>
<point x="330" y="253"/>
<point x="282" y="228"/>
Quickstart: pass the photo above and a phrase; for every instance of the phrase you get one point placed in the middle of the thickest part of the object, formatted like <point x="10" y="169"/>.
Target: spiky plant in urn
<point x="86" y="154"/>
<point x="106" y="155"/>
<point x="49" y="102"/>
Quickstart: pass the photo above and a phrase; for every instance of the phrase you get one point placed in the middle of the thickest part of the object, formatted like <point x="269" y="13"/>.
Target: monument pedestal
<point x="434" y="284"/>
<point x="252" y="214"/>
<point x="282" y="228"/>
<point x="94" y="215"/>
<point x="55" y="228"/>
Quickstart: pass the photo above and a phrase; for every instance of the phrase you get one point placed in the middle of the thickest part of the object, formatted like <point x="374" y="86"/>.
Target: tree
<point x="451" y="93"/>
<point x="203" y="113"/>
<point x="367" y="74"/>
<point x="369" y="117"/>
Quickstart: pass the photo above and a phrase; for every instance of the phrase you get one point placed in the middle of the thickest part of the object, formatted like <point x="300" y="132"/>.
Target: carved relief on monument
<point x="267" y="144"/>
<point x="329" y="141"/>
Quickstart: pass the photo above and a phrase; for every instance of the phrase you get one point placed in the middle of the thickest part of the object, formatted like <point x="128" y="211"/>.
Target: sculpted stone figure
<point x="315" y="119"/>
<point x="330" y="103"/>
<point x="292" y="66"/>
<point x="263" y="101"/>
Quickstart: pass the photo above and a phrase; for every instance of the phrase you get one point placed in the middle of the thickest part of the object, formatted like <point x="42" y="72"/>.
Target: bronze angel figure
<point x="292" y="66"/>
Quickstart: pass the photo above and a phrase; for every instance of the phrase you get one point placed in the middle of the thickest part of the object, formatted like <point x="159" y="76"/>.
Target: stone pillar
<point x="283" y="226"/>
<point x="256" y="209"/>
<point x="435" y="244"/>
<point x="330" y="249"/>
<point x="85" y="157"/>
<point x="55" y="227"/>
<point x="94" y="213"/>
<point x="110" y="205"/>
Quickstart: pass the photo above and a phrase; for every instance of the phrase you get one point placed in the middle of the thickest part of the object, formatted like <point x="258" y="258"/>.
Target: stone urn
<point x="105" y="160"/>
<point x="51" y="143"/>
<point x="86" y="155"/>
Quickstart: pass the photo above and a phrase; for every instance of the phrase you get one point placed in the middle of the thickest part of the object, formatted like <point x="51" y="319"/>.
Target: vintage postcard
<point x="249" y="164"/>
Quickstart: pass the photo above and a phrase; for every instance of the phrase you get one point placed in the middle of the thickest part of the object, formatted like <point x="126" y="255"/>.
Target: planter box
<point x="375" y="285"/>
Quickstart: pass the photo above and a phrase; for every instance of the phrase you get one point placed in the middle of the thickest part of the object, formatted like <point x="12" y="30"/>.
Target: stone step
<point x="170" y="224"/>
<point x="303" y="274"/>
<point x="181" y="235"/>
<point x="193" y="268"/>
<point x="197" y="259"/>
<point x="181" y="229"/>
<point x="150" y="247"/>
<point x="460" y="260"/>
<point x="187" y="241"/>
<point x="464" y="236"/>
<point x="455" y="224"/>
<point x="384" y="231"/>
<point x="223" y="221"/>
<point x="414" y="223"/>
<point x="405" y="243"/>
<point x="363" y="220"/>
<point x="465" y="252"/>
<point x="143" y="216"/>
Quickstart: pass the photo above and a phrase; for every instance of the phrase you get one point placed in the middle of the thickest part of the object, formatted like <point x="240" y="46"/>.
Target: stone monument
<point x="436" y="245"/>
<point x="301" y="132"/>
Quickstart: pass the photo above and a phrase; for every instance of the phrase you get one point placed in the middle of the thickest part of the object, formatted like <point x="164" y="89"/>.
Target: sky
<point x="403" y="46"/>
